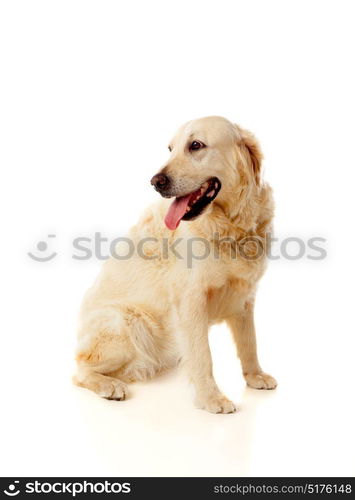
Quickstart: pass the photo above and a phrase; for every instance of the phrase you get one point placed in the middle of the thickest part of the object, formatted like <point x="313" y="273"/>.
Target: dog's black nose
<point x="160" y="181"/>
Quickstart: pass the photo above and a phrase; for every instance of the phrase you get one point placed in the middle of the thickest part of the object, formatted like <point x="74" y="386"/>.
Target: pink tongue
<point x="177" y="211"/>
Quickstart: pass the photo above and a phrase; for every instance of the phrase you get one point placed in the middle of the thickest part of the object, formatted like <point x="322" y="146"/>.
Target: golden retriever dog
<point x="196" y="261"/>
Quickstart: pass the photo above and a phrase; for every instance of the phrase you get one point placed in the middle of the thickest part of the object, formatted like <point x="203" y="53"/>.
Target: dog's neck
<point x="248" y="213"/>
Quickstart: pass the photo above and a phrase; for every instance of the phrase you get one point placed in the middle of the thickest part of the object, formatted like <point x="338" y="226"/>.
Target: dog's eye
<point x="195" y="145"/>
<point x="169" y="148"/>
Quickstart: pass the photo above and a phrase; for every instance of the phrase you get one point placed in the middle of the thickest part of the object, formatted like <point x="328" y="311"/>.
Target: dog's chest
<point x="232" y="287"/>
<point x="222" y="301"/>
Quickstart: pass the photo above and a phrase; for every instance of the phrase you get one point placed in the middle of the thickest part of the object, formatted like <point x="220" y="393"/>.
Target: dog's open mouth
<point x="192" y="205"/>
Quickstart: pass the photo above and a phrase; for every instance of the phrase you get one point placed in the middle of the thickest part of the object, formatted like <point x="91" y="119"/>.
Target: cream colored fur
<point x="145" y="314"/>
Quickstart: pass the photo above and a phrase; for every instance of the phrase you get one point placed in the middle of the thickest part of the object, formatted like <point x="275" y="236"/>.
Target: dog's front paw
<point x="215" y="403"/>
<point x="260" y="381"/>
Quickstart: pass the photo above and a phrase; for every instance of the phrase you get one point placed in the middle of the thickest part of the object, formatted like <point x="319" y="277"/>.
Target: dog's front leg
<point x="243" y="330"/>
<point x="196" y="355"/>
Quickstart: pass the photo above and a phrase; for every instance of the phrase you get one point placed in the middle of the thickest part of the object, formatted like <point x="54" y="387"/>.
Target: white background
<point x="90" y="93"/>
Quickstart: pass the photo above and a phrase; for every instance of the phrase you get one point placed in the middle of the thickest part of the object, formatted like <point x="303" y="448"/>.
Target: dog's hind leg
<point x="117" y="345"/>
<point x="105" y="386"/>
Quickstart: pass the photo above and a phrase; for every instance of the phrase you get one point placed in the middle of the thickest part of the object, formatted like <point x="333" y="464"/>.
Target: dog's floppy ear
<point x="251" y="144"/>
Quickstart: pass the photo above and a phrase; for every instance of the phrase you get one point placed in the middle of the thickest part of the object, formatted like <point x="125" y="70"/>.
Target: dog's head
<point x="210" y="157"/>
